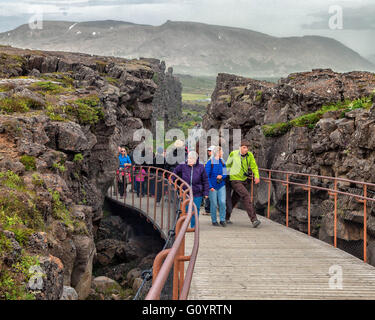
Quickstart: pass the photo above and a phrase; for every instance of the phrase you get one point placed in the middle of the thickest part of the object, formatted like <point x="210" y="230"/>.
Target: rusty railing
<point x="171" y="218"/>
<point x="289" y="179"/>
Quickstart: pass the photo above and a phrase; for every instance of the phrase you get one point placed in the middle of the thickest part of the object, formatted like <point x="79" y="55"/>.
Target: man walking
<point x="238" y="164"/>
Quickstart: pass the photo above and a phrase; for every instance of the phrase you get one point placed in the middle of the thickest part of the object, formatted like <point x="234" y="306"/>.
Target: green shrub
<point x="86" y="110"/>
<point x="19" y="104"/>
<point x="78" y="157"/>
<point x="48" y="87"/>
<point x="11" y="180"/>
<point x="12" y="287"/>
<point x="59" y="166"/>
<point x="19" y="214"/>
<point x="28" y="162"/>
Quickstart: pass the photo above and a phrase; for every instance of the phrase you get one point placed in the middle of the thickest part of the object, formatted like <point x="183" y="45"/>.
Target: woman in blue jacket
<point x="125" y="162"/>
<point x="217" y="173"/>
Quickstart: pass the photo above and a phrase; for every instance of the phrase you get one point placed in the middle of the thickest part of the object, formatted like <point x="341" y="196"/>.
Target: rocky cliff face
<point x="318" y="122"/>
<point x="167" y="99"/>
<point x="62" y="117"/>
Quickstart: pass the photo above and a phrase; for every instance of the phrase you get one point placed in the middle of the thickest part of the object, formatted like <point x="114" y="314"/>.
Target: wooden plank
<point x="272" y="262"/>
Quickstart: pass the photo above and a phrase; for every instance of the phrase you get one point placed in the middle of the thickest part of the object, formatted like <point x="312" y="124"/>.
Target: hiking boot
<point x="256" y="223"/>
<point x="223" y="224"/>
<point x="215" y="224"/>
<point x="228" y="222"/>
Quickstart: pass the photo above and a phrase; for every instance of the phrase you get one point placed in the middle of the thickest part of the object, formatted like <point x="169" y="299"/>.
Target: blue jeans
<point x="218" y="197"/>
<point x="198" y="202"/>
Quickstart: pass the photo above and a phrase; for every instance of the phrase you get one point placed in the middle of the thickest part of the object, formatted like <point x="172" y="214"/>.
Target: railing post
<point x="308" y="189"/>
<point x="177" y="269"/>
<point x="364" y="201"/>
<point x="156" y="191"/>
<point x="148" y="189"/>
<point x="334" y="194"/>
<point x="287" y="200"/>
<point x="269" y="195"/>
<point x="133" y="183"/>
<point x="162" y="201"/>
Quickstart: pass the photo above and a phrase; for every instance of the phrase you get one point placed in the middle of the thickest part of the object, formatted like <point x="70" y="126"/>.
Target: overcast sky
<point x="276" y="17"/>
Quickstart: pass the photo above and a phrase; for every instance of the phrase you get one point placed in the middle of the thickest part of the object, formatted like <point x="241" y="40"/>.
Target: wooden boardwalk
<point x="272" y="262"/>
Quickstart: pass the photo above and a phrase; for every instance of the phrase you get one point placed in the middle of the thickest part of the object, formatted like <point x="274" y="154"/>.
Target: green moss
<point x="11" y="287"/>
<point x="78" y="157"/>
<point x="113" y="81"/>
<point x="59" y="166"/>
<point x="57" y="113"/>
<point x="37" y="180"/>
<point x="20" y="216"/>
<point x="310" y="120"/>
<point x="259" y="95"/>
<point x="86" y="110"/>
<point x="63" y="78"/>
<point x="49" y="87"/>
<point x="11" y="180"/>
<point x="276" y="129"/>
<point x="61" y="212"/>
<point x="155" y="78"/>
<point x="6" y="87"/>
<point x="19" y="104"/>
<point x="28" y="162"/>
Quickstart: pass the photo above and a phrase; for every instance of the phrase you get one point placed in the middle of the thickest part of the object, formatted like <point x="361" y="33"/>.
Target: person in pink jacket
<point x="140" y="178"/>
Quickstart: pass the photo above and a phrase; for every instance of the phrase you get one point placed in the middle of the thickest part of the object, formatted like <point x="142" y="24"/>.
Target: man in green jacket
<point x="238" y="164"/>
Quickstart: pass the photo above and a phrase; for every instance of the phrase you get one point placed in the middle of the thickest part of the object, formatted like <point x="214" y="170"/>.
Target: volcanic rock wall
<point x="63" y="115"/>
<point x="318" y="122"/>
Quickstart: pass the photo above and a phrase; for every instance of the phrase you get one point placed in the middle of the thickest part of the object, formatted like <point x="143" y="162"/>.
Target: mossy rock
<point x="28" y="162"/>
<point x="19" y="104"/>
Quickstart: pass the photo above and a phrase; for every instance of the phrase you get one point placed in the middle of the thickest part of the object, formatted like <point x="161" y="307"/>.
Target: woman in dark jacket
<point x="195" y="175"/>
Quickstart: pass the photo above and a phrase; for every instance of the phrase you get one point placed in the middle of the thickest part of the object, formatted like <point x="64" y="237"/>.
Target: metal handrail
<point x="175" y="256"/>
<point x="310" y="186"/>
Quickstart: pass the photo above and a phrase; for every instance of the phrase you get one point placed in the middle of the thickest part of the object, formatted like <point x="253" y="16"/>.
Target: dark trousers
<point x="144" y="188"/>
<point x="241" y="193"/>
<point x="121" y="186"/>
<point x="160" y="187"/>
<point x="152" y="183"/>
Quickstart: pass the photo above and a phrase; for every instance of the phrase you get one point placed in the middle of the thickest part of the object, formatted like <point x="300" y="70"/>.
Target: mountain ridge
<point x="193" y="47"/>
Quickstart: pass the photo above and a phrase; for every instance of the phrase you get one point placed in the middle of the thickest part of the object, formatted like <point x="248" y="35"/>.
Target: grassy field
<point x="197" y="85"/>
<point x="191" y="97"/>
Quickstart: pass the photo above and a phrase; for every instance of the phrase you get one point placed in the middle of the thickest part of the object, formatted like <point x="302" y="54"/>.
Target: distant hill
<point x="193" y="48"/>
<point x="371" y="58"/>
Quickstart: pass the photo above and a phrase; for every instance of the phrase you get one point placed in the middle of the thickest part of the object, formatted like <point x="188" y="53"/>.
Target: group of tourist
<point x="221" y="183"/>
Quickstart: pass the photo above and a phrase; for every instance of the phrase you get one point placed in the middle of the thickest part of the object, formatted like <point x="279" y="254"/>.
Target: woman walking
<point x="123" y="173"/>
<point x="217" y="173"/>
<point x="195" y="175"/>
